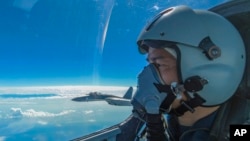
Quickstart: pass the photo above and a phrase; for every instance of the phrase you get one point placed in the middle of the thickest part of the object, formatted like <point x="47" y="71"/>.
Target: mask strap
<point x="166" y="103"/>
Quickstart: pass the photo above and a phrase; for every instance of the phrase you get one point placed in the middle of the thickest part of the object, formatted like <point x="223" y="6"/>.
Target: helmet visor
<point x="145" y="44"/>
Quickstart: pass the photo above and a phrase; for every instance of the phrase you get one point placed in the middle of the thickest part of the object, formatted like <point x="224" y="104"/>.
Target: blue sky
<point x="71" y="42"/>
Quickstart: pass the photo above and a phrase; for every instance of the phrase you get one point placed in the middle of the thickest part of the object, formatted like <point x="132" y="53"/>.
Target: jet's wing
<point x="118" y="101"/>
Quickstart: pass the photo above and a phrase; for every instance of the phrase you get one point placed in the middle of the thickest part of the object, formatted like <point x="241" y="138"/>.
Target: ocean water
<point x="47" y="113"/>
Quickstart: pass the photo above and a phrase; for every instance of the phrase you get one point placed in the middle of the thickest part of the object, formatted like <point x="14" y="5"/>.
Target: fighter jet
<point x="124" y="101"/>
<point x="111" y="99"/>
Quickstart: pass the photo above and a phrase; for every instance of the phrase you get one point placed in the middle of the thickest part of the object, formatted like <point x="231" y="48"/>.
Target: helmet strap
<point x="189" y="105"/>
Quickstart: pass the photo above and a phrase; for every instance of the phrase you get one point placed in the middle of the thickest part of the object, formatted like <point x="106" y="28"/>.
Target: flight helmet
<point x="209" y="51"/>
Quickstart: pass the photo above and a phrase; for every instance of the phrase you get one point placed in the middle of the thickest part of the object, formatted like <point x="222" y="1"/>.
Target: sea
<point x="46" y="113"/>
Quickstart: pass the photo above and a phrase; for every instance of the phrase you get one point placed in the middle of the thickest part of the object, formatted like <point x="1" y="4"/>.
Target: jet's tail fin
<point x="128" y="94"/>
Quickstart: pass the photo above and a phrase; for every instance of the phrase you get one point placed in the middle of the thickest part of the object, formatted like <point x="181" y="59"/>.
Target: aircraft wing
<point x="79" y="99"/>
<point x="93" y="97"/>
<point x="118" y="101"/>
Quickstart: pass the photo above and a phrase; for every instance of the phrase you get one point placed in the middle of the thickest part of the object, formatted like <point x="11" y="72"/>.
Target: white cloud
<point x="88" y="112"/>
<point x="18" y="113"/>
<point x="2" y="138"/>
<point x="91" y="120"/>
<point x="156" y="7"/>
<point x="18" y="126"/>
<point x="42" y="122"/>
<point x="63" y="91"/>
<point x="39" y="138"/>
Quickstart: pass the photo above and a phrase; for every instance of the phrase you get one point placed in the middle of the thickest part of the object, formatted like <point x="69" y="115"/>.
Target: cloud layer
<point x="18" y="113"/>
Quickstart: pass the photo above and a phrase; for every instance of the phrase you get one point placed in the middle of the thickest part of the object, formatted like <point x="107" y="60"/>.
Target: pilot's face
<point x="167" y="67"/>
<point x="166" y="64"/>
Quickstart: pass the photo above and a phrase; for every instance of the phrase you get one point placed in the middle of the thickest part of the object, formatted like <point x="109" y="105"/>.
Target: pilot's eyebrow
<point x="153" y="59"/>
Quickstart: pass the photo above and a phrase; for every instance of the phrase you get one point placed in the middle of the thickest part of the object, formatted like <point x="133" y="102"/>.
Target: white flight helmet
<point x="210" y="51"/>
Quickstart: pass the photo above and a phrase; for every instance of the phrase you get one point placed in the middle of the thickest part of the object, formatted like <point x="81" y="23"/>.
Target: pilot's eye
<point x="157" y="65"/>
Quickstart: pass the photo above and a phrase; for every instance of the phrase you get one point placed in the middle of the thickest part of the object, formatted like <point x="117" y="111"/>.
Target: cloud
<point x="92" y="120"/>
<point x="18" y="126"/>
<point x="2" y="138"/>
<point x="40" y="138"/>
<point x="156" y="7"/>
<point x="88" y="112"/>
<point x="27" y="95"/>
<point x="42" y="122"/>
<point x="18" y="113"/>
<point x="57" y="91"/>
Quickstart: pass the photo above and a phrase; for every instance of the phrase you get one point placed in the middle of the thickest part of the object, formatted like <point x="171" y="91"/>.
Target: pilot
<point x="196" y="60"/>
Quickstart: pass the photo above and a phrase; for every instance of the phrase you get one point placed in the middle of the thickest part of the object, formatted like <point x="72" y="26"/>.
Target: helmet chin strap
<point x="192" y="84"/>
<point x="189" y="105"/>
<point x="174" y="92"/>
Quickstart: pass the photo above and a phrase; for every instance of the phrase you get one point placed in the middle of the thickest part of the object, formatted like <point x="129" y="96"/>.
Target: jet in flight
<point x="111" y="99"/>
<point x="121" y="101"/>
